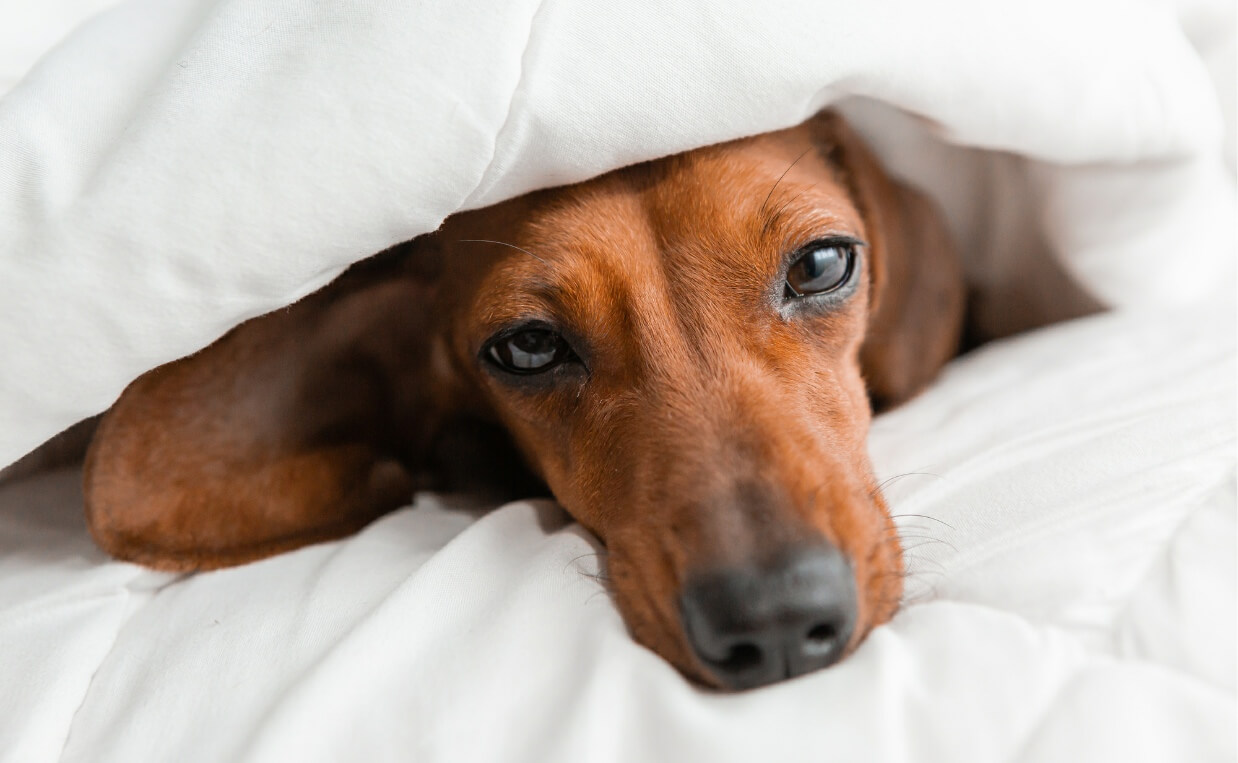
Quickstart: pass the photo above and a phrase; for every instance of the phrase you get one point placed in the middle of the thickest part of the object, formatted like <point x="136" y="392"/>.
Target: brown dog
<point x="682" y="350"/>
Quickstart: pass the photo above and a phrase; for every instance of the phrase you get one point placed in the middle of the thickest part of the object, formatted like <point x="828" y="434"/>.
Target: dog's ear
<point x="295" y="427"/>
<point x="917" y="295"/>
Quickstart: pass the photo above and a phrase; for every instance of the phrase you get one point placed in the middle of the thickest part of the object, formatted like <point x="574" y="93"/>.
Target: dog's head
<point x="683" y="350"/>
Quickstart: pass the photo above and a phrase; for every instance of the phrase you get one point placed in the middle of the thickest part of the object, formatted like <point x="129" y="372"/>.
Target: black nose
<point x="754" y="625"/>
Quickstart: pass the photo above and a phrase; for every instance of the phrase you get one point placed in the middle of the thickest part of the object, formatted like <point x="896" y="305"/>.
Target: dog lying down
<point x="683" y="351"/>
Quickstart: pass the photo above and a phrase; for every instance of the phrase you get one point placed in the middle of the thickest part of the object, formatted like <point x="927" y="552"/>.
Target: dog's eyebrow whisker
<point x="772" y="220"/>
<point x="793" y="199"/>
<point x="501" y="243"/>
<point x="780" y="177"/>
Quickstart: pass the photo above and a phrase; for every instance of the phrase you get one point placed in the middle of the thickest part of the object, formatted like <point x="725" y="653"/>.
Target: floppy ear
<point x="295" y="427"/>
<point x="917" y="296"/>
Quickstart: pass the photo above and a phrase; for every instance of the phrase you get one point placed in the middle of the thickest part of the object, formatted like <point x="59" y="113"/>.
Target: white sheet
<point x="177" y="166"/>
<point x="1073" y="599"/>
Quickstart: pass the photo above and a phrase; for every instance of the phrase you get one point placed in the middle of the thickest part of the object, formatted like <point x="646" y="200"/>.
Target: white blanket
<point x="1073" y="598"/>
<point x="176" y="166"/>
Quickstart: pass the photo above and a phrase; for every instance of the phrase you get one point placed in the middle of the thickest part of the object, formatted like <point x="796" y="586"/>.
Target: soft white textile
<point x="1072" y="599"/>
<point x="177" y="166"/>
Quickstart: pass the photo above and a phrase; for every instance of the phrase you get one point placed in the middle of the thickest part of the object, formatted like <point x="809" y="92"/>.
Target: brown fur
<point x="712" y="426"/>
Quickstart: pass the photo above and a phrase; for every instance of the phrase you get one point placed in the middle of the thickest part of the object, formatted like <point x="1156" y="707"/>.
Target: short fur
<point x="712" y="426"/>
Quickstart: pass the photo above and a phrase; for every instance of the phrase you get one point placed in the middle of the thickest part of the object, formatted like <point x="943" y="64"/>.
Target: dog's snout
<point x="758" y="624"/>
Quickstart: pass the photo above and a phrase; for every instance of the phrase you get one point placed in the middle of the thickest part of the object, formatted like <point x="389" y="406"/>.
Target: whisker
<point x="502" y="243"/>
<point x="928" y="538"/>
<point x="773" y="218"/>
<point x="792" y="200"/>
<point x="909" y="561"/>
<point x="891" y="480"/>
<point x="922" y="516"/>
<point x="914" y="575"/>
<point x="573" y="560"/>
<point x="780" y="177"/>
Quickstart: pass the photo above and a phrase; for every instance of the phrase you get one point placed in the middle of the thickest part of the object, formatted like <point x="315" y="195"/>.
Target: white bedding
<point x="1080" y="604"/>
<point x="178" y="165"/>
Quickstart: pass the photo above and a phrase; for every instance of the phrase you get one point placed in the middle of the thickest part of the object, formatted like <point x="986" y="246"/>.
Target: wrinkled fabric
<point x="177" y="166"/>
<point x="1067" y="509"/>
<point x="1066" y="498"/>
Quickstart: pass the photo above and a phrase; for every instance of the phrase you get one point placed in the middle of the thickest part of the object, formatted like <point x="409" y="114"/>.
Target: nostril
<point x="820" y="639"/>
<point x="740" y="657"/>
<point x="824" y="632"/>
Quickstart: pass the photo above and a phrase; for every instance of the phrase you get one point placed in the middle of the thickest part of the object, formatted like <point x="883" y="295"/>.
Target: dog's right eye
<point x="529" y="351"/>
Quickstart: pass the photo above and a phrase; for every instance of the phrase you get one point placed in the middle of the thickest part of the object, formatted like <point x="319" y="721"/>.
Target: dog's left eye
<point x="822" y="267"/>
<point x="529" y="351"/>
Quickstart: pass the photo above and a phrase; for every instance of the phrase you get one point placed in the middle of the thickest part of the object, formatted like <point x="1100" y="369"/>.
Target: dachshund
<point x="686" y="353"/>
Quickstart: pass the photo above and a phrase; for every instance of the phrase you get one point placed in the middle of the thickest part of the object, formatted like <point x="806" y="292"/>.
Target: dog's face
<point x="676" y="350"/>
<point x="684" y="351"/>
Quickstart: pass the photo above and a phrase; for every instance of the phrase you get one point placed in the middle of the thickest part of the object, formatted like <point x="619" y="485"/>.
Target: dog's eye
<point x="822" y="268"/>
<point x="529" y="351"/>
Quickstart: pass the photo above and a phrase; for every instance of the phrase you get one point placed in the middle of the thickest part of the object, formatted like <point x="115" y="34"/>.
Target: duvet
<point x="1066" y="496"/>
